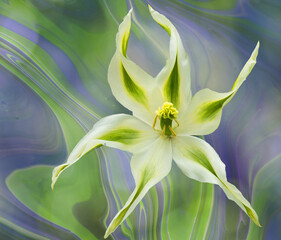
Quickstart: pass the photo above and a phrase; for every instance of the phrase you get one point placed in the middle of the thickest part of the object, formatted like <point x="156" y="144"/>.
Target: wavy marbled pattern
<point x="54" y="57"/>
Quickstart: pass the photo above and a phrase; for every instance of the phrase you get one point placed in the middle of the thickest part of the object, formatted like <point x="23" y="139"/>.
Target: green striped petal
<point x="204" y="112"/>
<point x="174" y="78"/>
<point x="199" y="161"/>
<point x="120" y="131"/>
<point x="131" y="86"/>
<point x="148" y="168"/>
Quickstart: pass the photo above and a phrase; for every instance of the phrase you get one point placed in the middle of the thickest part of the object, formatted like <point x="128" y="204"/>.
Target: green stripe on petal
<point x="119" y="131"/>
<point x="148" y="168"/>
<point x="161" y="23"/>
<point x="209" y="110"/>
<point x="237" y="196"/>
<point x="134" y="91"/>
<point x="172" y="86"/>
<point x="174" y="78"/>
<point x="200" y="157"/>
<point x="124" y="42"/>
<point x="204" y="112"/>
<point x="199" y="161"/>
<point x="122" y="135"/>
<point x="253" y="216"/>
<point x="122" y="213"/>
<point x="134" y="88"/>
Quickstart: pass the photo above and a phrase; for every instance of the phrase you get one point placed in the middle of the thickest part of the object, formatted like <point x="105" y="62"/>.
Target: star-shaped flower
<point x="165" y="119"/>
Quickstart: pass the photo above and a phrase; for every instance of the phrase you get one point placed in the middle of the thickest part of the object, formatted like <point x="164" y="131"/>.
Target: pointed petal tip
<point x="126" y="18"/>
<point x="257" y="46"/>
<point x="130" y="11"/>
<point x="253" y="215"/>
<point x="256" y="221"/>
<point x="56" y="172"/>
<point x="107" y="233"/>
<point x="256" y="51"/>
<point x="151" y="10"/>
<point x="115" y="223"/>
<point x="54" y="180"/>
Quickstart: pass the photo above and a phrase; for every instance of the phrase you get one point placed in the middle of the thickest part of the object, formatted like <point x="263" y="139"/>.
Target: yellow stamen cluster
<point x="167" y="112"/>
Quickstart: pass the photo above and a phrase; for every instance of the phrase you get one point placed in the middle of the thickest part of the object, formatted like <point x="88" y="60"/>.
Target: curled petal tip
<point x="56" y="172"/>
<point x="53" y="183"/>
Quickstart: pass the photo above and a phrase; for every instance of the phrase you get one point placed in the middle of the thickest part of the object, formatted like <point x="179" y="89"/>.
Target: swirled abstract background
<point x="54" y="56"/>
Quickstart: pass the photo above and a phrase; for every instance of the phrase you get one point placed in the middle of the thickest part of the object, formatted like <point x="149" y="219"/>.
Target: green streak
<point x="200" y="157"/>
<point x="166" y="28"/>
<point x="125" y="43"/>
<point x="123" y="135"/>
<point x="147" y="175"/>
<point x="135" y="91"/>
<point x="61" y="169"/>
<point x="209" y="110"/>
<point x="172" y="86"/>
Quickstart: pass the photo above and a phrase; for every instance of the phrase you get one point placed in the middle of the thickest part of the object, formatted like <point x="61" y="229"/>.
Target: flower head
<point x="170" y="129"/>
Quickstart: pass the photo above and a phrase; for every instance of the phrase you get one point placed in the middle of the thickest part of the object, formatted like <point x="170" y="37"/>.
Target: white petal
<point x="199" y="161"/>
<point x="204" y="112"/>
<point x="131" y="86"/>
<point x="148" y="168"/>
<point x="174" y="78"/>
<point x="119" y="131"/>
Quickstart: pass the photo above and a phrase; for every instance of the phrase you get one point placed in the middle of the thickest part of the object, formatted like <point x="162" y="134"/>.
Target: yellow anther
<point x="168" y="111"/>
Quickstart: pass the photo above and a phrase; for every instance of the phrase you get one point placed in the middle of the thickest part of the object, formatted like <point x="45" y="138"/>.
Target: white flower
<point x="165" y="118"/>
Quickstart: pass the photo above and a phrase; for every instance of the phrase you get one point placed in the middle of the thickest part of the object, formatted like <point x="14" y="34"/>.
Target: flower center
<point x="166" y="114"/>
